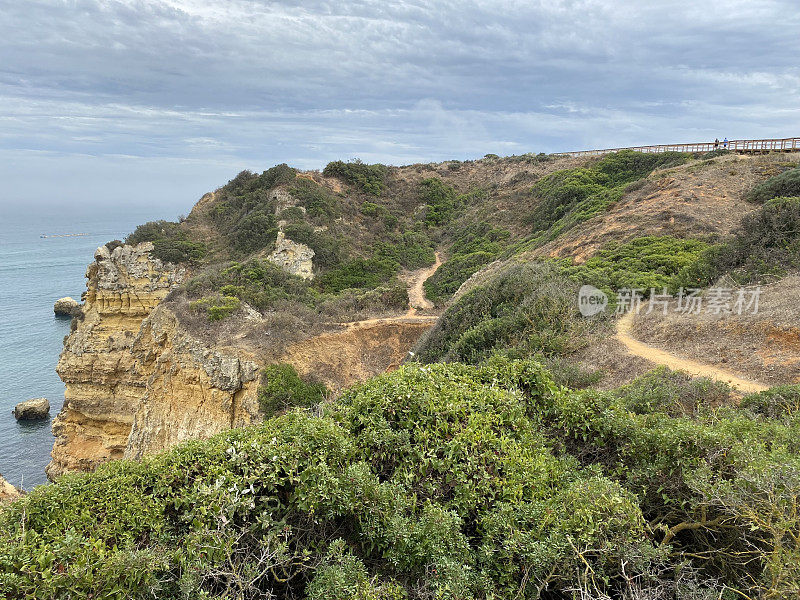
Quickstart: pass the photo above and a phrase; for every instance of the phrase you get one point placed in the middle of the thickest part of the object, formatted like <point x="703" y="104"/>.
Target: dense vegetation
<point x="282" y="388"/>
<point x="170" y="242"/>
<point x="569" y="197"/>
<point x="783" y="184"/>
<point x="442" y="481"/>
<point x="766" y="246"/>
<point x="646" y="263"/>
<point x="368" y="178"/>
<point x="525" y="309"/>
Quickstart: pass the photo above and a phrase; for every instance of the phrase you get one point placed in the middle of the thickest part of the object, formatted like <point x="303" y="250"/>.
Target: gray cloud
<point x="212" y="86"/>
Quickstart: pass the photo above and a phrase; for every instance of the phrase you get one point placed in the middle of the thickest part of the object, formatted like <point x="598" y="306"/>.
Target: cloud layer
<point x="201" y="89"/>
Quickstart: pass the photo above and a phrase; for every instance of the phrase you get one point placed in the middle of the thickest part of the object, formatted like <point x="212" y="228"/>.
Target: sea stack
<point x="67" y="307"/>
<point x="33" y="409"/>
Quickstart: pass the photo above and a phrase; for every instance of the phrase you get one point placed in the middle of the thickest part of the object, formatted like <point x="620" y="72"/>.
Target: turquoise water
<point x="34" y="273"/>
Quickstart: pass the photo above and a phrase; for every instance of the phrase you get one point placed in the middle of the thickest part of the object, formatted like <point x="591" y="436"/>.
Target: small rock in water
<point x="36" y="408"/>
<point x="68" y="307"/>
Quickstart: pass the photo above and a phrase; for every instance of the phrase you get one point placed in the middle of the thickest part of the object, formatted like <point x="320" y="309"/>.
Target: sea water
<point x="36" y="271"/>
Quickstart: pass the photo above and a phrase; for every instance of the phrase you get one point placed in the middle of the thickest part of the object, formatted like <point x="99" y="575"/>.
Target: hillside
<point x="515" y="448"/>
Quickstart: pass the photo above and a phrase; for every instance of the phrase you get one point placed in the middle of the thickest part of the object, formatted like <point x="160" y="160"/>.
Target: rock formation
<point x="8" y="493"/>
<point x="33" y="409"/>
<point x="192" y="391"/>
<point x="67" y="307"/>
<point x="292" y="257"/>
<point x="104" y="384"/>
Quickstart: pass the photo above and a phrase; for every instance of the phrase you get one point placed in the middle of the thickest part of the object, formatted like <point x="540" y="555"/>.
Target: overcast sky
<point x="161" y="100"/>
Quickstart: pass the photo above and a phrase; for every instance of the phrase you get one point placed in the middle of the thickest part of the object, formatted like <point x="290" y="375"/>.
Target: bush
<point x="359" y="273"/>
<point x="282" y="388"/>
<point x="440" y="200"/>
<point x="523" y="310"/>
<point x="329" y="251"/>
<point x="442" y="481"/>
<point x="782" y="402"/>
<point x="368" y="178"/>
<point x="170" y="241"/>
<point x="218" y="306"/>
<point x="254" y="231"/>
<point x="766" y="245"/>
<point x="320" y="204"/>
<point x="784" y="184"/>
<point x="645" y="263"/>
<point x="449" y="277"/>
<point x="411" y="249"/>
<point x="257" y="282"/>
<point x="673" y="392"/>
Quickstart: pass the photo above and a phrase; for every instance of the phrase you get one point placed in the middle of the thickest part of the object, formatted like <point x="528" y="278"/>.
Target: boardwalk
<point x="741" y="146"/>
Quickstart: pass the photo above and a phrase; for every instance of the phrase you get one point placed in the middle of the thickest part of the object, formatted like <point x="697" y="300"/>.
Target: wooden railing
<point x="743" y="146"/>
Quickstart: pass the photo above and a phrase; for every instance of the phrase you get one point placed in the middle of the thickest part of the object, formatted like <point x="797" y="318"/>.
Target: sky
<point x="158" y="101"/>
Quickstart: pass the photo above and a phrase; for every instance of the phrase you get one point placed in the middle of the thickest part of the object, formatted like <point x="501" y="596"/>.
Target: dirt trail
<point x="661" y="357"/>
<point x="416" y="301"/>
<point x="416" y="291"/>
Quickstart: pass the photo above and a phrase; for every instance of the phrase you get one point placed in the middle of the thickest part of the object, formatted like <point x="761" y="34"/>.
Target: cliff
<point x="138" y="380"/>
<point x="104" y="382"/>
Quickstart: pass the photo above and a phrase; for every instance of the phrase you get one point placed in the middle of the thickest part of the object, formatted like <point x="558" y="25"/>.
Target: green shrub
<point x="359" y="273"/>
<point x="784" y="184"/>
<point x="318" y="201"/>
<point x="673" y="392"/>
<point x="449" y="277"/>
<point x="645" y="263"/>
<point x="766" y="245"/>
<point x="781" y="402"/>
<point x="254" y="231"/>
<point x="368" y="178"/>
<point x="411" y="249"/>
<point x="441" y="481"/>
<point x="281" y="388"/>
<point x="258" y="282"/>
<point x="440" y="200"/>
<point x="218" y="306"/>
<point x="293" y="214"/>
<point x="523" y="310"/>
<point x="329" y="251"/>
<point x="170" y="242"/>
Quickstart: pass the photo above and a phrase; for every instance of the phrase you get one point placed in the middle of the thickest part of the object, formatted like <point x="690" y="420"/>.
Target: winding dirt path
<point x="416" y="291"/>
<point x="661" y="357"/>
<point x="416" y="301"/>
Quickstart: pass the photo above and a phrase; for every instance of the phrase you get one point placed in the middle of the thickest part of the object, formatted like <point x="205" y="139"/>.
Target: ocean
<point x="34" y="273"/>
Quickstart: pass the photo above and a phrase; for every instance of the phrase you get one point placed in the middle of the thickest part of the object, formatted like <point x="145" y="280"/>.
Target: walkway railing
<point x="743" y="146"/>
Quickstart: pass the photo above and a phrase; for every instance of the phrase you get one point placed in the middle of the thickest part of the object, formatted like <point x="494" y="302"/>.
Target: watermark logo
<point x="591" y="300"/>
<point x="715" y="300"/>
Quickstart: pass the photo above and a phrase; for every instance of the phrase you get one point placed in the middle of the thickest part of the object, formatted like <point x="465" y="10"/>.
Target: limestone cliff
<point x="138" y="380"/>
<point x="104" y="382"/>
<point x="192" y="391"/>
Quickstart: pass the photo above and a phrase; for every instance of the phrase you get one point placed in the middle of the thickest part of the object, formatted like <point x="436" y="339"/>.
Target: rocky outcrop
<point x="8" y="493"/>
<point x="67" y="307"/>
<point x="33" y="409"/>
<point x="192" y="391"/>
<point x="104" y="383"/>
<point x="292" y="257"/>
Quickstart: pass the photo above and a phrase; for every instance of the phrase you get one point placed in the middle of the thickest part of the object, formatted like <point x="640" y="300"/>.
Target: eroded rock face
<point x="8" y="493"/>
<point x="292" y="257"/>
<point x="104" y="383"/>
<point x="33" y="409"/>
<point x="192" y="391"/>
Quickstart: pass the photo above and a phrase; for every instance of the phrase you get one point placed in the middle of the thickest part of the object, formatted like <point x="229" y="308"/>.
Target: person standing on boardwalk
<point x="725" y="143"/>
<point x="716" y="143"/>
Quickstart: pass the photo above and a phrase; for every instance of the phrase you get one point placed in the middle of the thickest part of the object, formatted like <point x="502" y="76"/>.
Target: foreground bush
<point x="784" y="184"/>
<point x="443" y="481"/>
